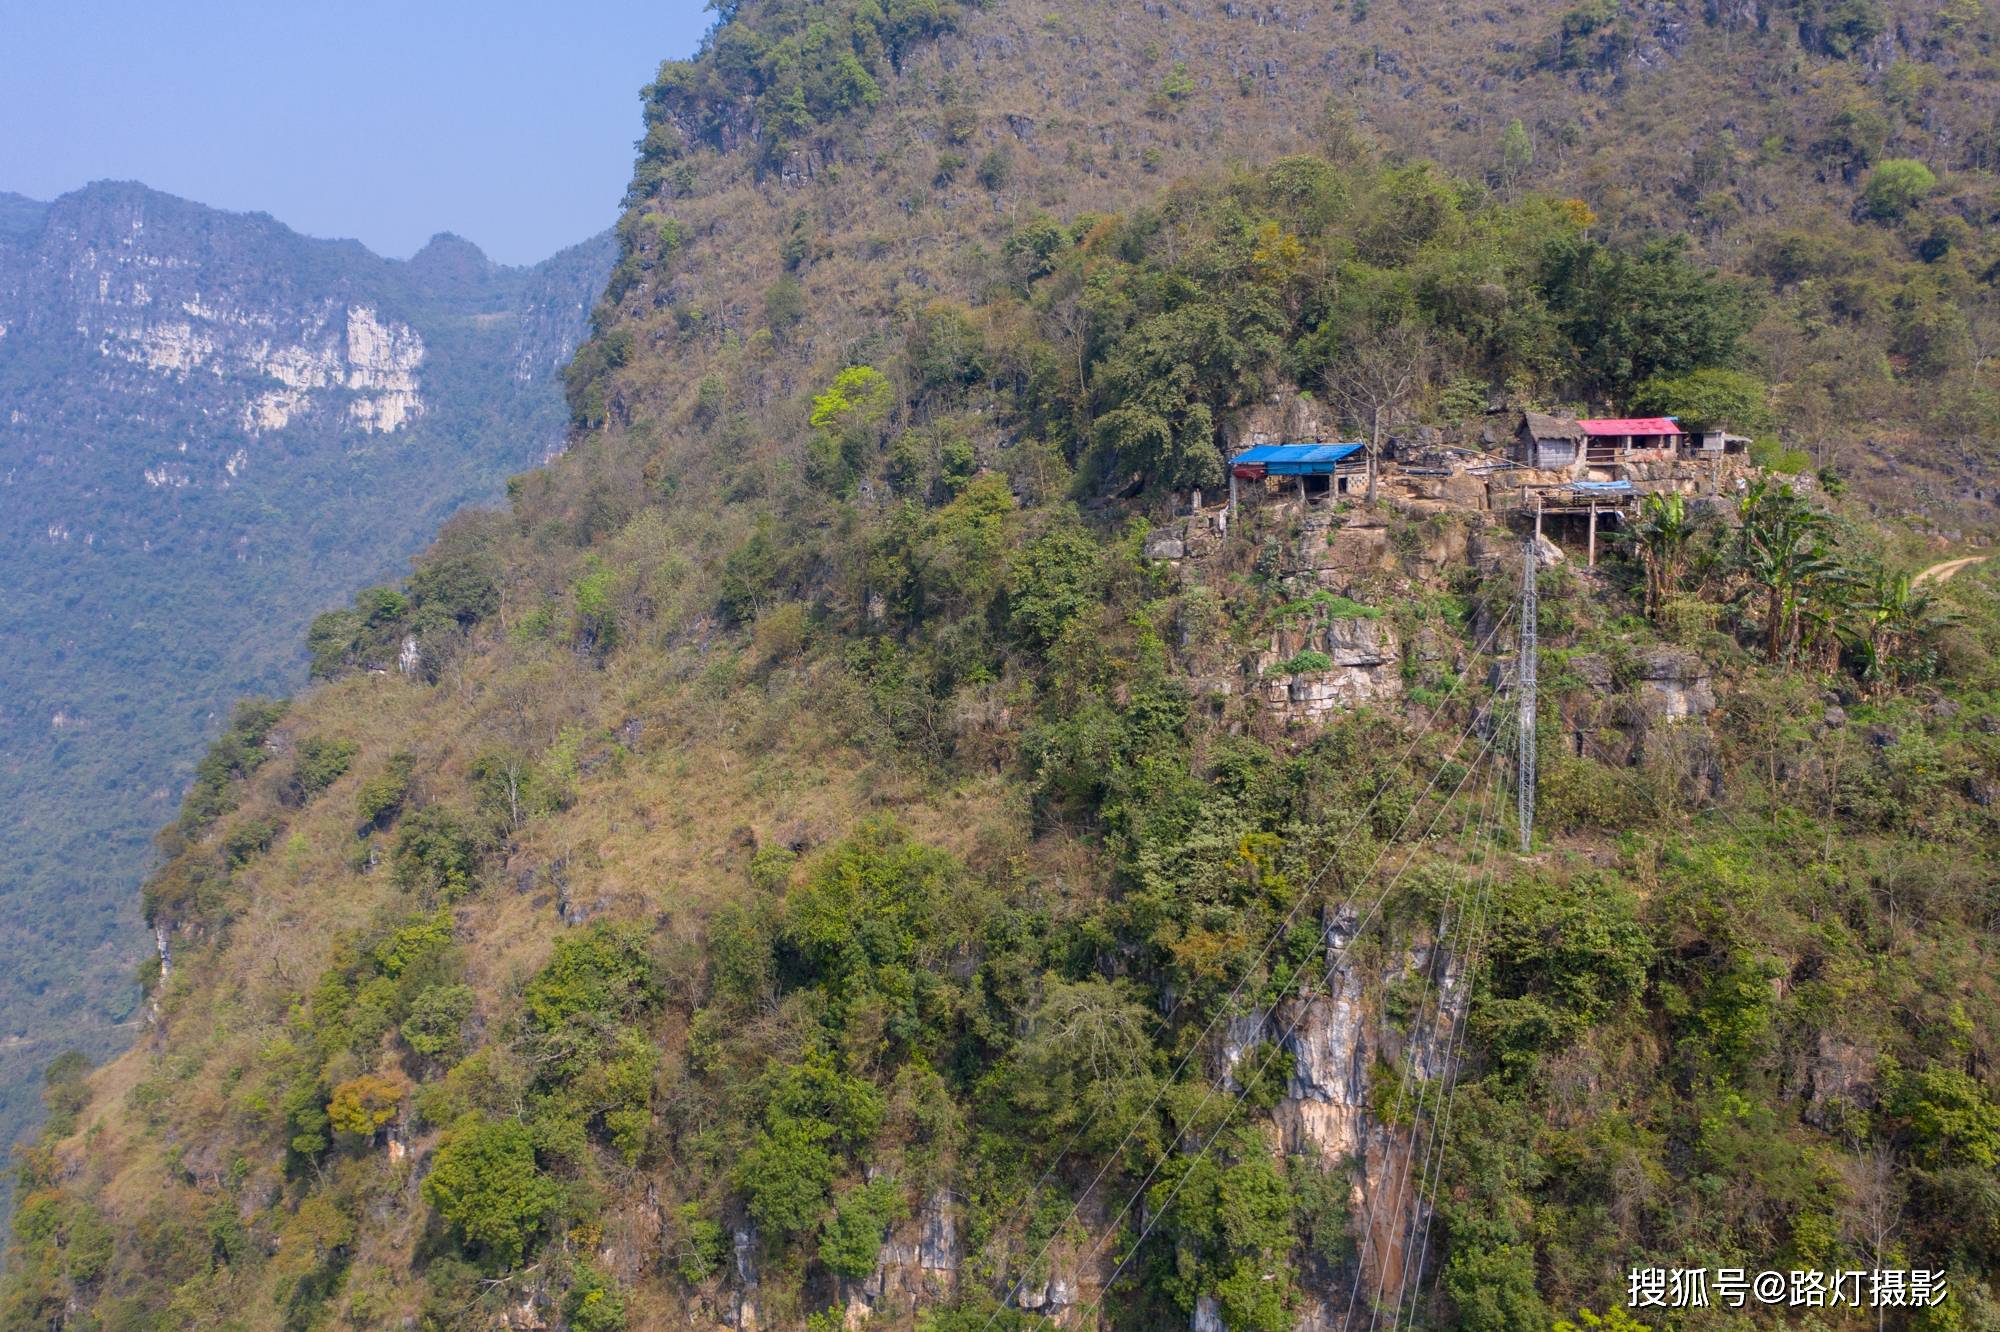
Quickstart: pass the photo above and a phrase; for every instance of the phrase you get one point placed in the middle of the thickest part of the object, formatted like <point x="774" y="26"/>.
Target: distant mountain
<point x="210" y="428"/>
<point x="20" y="216"/>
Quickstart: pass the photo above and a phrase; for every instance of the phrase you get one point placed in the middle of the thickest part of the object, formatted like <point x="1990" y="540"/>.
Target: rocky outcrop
<point x="1838" y="1077"/>
<point x="287" y="359"/>
<point x="1364" y="665"/>
<point x="1673" y="685"/>
<point x="1332" y="550"/>
<point x="207" y="328"/>
<point x="1053" y="1298"/>
<point x="1336" y="1033"/>
<point x="1668" y="685"/>
<point x="1199" y="535"/>
<point x="1282" y="417"/>
<point x="741" y="1309"/>
<point x="918" y="1265"/>
<point x="1325" y="1108"/>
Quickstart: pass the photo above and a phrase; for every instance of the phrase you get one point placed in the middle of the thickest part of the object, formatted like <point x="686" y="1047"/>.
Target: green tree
<point x="1662" y="533"/>
<point x="362" y="1106"/>
<point x="594" y="1303"/>
<point x="435" y="1027"/>
<point x="700" y="1245"/>
<point x="1634" y="315"/>
<point x="995" y="169"/>
<point x="596" y="624"/>
<point x="382" y="795"/>
<point x="61" y="1247"/>
<point x="1231" y="1228"/>
<point x="1086" y="1057"/>
<point x="65" y="1092"/>
<point x="1896" y="187"/>
<point x="944" y="348"/>
<point x="462" y="589"/>
<point x="1517" y="153"/>
<point x="851" y="1238"/>
<point x="599" y="973"/>
<point x="486" y="1185"/>
<point x="1842" y="27"/>
<point x="1706" y="398"/>
<point x="784" y="306"/>
<point x="813" y="1113"/>
<point x="1051" y="581"/>
<point x="870" y="902"/>
<point x="1166" y="377"/>
<point x="435" y="857"/>
<point x="1898" y="621"/>
<point x="1950" y="1117"/>
<point x="786" y="1172"/>
<point x="320" y="762"/>
<point x="848" y="421"/>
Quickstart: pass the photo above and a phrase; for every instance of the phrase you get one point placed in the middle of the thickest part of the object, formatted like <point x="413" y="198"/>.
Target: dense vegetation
<point x="815" y="802"/>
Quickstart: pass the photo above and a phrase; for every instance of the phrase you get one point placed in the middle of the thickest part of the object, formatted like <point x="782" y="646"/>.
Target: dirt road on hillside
<point x="1938" y="573"/>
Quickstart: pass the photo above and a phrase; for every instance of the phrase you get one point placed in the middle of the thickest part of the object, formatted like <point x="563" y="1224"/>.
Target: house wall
<point x="1532" y="452"/>
<point x="1555" y="453"/>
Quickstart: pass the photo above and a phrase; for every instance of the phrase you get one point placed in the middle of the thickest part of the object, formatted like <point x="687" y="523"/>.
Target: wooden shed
<point x="1547" y="441"/>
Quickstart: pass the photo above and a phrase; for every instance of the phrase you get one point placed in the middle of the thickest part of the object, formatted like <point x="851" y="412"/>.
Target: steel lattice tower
<point x="1525" y="783"/>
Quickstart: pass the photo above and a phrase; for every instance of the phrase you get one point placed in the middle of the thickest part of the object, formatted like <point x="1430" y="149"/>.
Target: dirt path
<point x="1938" y="573"/>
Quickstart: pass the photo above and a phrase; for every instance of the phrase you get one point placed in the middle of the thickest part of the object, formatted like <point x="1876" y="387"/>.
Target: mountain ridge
<point x="158" y="356"/>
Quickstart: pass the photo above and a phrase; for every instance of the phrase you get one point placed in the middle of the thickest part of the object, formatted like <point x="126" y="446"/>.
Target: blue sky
<point x="508" y="122"/>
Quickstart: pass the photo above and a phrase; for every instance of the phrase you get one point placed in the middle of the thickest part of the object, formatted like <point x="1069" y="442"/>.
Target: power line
<point x="1487" y="813"/>
<point x="1290" y="1027"/>
<point x="1432" y="1178"/>
<point x="1281" y="932"/>
<point x="1375" y="1198"/>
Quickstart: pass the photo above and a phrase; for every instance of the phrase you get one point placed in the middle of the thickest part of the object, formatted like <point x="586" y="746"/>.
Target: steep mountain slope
<point x="1753" y="130"/>
<point x="858" y="850"/>
<point x="208" y="425"/>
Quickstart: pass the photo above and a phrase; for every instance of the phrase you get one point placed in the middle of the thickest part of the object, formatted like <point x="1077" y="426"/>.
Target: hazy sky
<point x="509" y="122"/>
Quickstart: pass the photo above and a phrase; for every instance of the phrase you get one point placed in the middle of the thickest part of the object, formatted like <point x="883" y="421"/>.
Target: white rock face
<point x="1325" y="1108"/>
<point x="382" y="361"/>
<point x="1335" y="1032"/>
<point x="917" y="1266"/>
<point x="1674" y="685"/>
<point x="1364" y="667"/>
<point x="327" y="355"/>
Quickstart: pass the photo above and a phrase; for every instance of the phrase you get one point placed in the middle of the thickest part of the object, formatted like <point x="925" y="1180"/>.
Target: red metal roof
<point x="1632" y="425"/>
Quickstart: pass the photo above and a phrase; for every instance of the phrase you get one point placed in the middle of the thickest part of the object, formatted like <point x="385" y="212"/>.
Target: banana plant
<point x="1662" y="534"/>
<point x="1895" y="624"/>
<point x="1785" y="552"/>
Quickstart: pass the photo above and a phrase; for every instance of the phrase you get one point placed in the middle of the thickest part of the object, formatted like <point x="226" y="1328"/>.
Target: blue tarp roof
<point x="1600" y="487"/>
<point x="1297" y="459"/>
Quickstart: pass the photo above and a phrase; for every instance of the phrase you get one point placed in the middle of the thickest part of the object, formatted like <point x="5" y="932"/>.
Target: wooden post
<point x="1538" y="524"/>
<point x="1593" y="534"/>
<point x="1232" y="494"/>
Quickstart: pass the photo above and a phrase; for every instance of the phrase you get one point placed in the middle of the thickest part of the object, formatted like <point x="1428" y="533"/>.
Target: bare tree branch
<point x="1375" y="384"/>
